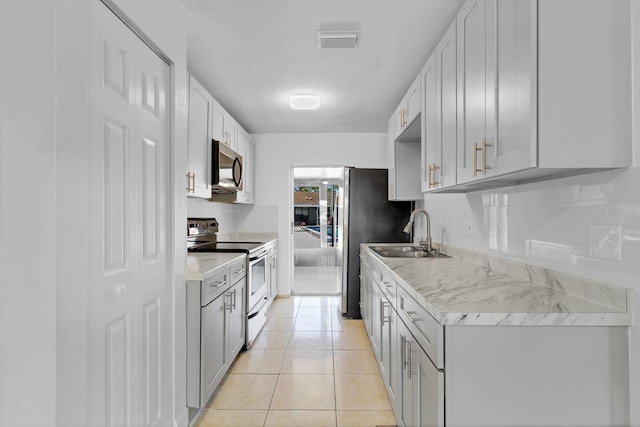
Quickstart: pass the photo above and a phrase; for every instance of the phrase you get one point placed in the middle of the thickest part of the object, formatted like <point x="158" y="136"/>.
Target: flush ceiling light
<point x="337" y="39"/>
<point x="304" y="102"/>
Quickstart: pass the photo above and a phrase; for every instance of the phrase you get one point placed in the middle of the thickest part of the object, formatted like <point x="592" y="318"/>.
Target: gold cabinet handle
<point x="402" y="123"/>
<point x="435" y="181"/>
<point x="429" y="179"/>
<point x="484" y="156"/>
<point x="191" y="182"/>
<point x="484" y="166"/>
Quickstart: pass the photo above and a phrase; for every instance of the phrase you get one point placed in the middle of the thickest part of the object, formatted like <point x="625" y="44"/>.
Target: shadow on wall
<point x="317" y="257"/>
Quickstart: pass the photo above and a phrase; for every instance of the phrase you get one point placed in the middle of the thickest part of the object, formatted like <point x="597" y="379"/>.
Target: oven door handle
<point x="262" y="254"/>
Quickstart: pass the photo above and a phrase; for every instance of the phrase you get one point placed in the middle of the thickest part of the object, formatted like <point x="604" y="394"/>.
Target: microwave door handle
<point x="237" y="166"/>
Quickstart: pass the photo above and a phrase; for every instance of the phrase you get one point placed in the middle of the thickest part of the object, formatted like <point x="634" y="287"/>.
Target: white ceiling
<point x="252" y="54"/>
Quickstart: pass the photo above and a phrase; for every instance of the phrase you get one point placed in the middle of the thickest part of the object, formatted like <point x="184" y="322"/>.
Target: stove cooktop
<point x="225" y="247"/>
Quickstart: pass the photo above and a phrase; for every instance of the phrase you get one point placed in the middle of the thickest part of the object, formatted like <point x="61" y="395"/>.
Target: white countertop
<point x="202" y="265"/>
<point x="478" y="289"/>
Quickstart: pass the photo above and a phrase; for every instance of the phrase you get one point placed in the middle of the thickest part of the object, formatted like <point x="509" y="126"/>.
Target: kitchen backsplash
<point x="587" y="225"/>
<point x="235" y="218"/>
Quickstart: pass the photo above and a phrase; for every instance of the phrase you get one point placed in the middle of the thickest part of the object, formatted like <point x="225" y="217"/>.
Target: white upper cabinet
<point x="218" y="118"/>
<point x="472" y="83"/>
<point x="404" y="147"/>
<point x="439" y="132"/>
<point x="225" y="128"/>
<point x="246" y="148"/>
<point x="200" y="116"/>
<point x="536" y="100"/>
<point x="250" y="168"/>
<point x="430" y="150"/>
<point x="405" y="125"/>
<point x="209" y="120"/>
<point x="391" y="159"/>
<point x="231" y="132"/>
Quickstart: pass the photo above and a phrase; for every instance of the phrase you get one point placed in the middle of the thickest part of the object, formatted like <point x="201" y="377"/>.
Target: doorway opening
<point x="317" y="223"/>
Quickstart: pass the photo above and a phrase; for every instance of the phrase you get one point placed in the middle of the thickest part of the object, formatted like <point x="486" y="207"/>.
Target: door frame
<point x="291" y="215"/>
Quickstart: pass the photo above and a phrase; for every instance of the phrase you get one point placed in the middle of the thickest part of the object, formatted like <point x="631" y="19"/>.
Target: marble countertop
<point x="472" y="288"/>
<point x="202" y="265"/>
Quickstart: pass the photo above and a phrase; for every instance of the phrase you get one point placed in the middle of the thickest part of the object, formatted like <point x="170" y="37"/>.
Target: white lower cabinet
<point x="215" y="330"/>
<point x="272" y="274"/>
<point x="421" y="384"/>
<point x="491" y="375"/>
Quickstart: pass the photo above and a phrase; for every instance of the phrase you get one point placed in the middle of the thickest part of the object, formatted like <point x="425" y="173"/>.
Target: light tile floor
<point x="308" y="367"/>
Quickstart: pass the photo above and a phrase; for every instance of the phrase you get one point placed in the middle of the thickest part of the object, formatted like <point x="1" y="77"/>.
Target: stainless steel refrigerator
<point x="368" y="217"/>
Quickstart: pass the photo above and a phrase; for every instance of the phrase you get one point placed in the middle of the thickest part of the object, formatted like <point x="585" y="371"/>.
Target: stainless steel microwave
<point x="226" y="169"/>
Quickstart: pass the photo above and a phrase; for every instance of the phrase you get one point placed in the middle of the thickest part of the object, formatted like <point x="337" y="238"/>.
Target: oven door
<point x="257" y="279"/>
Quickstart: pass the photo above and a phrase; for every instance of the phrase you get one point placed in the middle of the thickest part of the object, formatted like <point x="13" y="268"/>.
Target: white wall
<point x="27" y="195"/>
<point x="276" y="153"/>
<point x="546" y="223"/>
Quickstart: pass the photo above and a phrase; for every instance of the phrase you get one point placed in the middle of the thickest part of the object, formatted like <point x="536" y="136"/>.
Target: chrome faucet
<point x="407" y="229"/>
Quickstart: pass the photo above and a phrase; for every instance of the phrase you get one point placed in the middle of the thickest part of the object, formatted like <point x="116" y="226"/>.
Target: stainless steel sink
<point x="398" y="248"/>
<point x="406" y="251"/>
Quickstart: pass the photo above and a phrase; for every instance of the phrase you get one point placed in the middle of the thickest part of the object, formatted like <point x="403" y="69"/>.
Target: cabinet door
<point x="430" y="151"/>
<point x="241" y="196"/>
<point x="389" y="360"/>
<point x="412" y="103"/>
<point x="200" y="108"/>
<point x="364" y="296"/>
<point x="375" y="319"/>
<point x="404" y="414"/>
<point x="398" y="121"/>
<point x="249" y="170"/>
<point x="511" y="65"/>
<point x="236" y="314"/>
<point x="439" y="87"/>
<point x="391" y="157"/>
<point x="213" y="351"/>
<point x="428" y="389"/>
<point x="471" y="78"/>
<point x="444" y="174"/>
<point x="272" y="276"/>
<point x="231" y="132"/>
<point x="218" y="115"/>
<point x="383" y="323"/>
<point x="408" y="110"/>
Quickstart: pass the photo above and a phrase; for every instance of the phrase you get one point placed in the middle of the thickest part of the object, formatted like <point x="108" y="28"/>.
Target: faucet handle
<point x="426" y="244"/>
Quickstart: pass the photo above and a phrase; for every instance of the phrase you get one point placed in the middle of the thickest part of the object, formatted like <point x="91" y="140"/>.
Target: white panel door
<point x="129" y="306"/>
<point x="152" y="230"/>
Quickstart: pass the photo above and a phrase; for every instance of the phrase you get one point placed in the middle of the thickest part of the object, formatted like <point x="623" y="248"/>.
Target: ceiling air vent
<point x="337" y="39"/>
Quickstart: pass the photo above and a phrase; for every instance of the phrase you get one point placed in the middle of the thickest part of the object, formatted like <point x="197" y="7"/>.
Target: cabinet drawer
<point x="238" y="270"/>
<point x="376" y="273"/>
<point x="389" y="287"/>
<point x="365" y="261"/>
<point x="214" y="286"/>
<point x="425" y="329"/>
